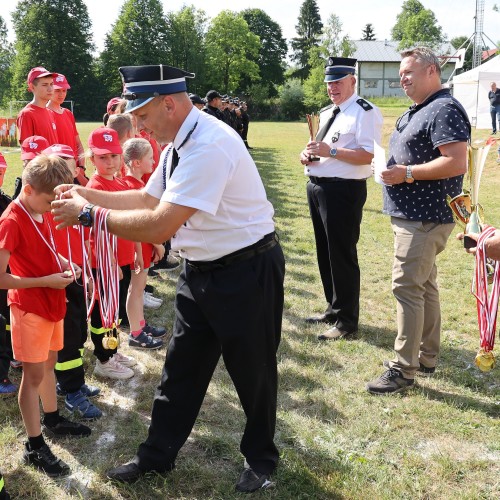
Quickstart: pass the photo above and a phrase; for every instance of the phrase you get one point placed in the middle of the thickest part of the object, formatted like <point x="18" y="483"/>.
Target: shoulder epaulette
<point x="325" y="108"/>
<point x="364" y="104"/>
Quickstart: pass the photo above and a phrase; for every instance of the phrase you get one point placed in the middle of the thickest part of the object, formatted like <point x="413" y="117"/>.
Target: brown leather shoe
<point x="336" y="334"/>
<point x="329" y="319"/>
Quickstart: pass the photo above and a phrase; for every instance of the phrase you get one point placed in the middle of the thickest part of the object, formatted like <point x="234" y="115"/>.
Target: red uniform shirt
<point x="34" y="120"/>
<point x="147" y="248"/>
<point x="66" y="128"/>
<point x="30" y="257"/>
<point x="126" y="248"/>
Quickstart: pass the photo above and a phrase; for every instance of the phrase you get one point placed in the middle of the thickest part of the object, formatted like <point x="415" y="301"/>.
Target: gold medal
<point x="110" y="341"/>
<point x="485" y="361"/>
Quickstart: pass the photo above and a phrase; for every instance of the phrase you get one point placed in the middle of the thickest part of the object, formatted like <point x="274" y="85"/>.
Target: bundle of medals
<point x="105" y="284"/>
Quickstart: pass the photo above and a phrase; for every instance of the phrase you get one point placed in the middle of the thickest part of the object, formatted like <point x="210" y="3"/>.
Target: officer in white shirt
<point x="337" y="163"/>
<point x="208" y="197"/>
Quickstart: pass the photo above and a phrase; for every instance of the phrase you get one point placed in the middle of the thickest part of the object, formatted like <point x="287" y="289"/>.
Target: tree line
<point x="239" y="53"/>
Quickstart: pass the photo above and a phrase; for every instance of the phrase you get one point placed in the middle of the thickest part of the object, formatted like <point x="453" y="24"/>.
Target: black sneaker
<point x="65" y="427"/>
<point x="144" y="341"/>
<point x="424" y="371"/>
<point x="153" y="331"/>
<point x="389" y="382"/>
<point x="44" y="460"/>
<point x="251" y="481"/>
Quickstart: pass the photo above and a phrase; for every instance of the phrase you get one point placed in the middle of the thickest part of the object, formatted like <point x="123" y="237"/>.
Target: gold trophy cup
<point x="313" y="125"/>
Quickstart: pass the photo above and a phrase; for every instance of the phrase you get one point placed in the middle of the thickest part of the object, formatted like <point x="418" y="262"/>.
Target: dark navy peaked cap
<point x="143" y="83"/>
<point x="339" y="67"/>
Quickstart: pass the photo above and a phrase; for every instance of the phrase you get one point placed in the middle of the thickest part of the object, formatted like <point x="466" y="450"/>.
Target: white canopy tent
<point x="471" y="89"/>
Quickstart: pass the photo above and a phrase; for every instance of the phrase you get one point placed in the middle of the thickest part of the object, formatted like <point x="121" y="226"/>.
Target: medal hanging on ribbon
<point x="487" y="302"/>
<point x="106" y="283"/>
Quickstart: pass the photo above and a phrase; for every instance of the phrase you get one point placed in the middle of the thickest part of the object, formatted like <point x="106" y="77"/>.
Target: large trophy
<point x="468" y="213"/>
<point x="313" y="124"/>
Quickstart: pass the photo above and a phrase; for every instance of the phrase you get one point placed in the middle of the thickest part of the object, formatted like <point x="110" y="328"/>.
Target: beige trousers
<point x="414" y="284"/>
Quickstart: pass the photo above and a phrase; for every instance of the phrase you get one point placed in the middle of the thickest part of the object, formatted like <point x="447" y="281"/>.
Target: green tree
<point x="231" y="50"/>
<point x="186" y="42"/>
<point x="291" y="100"/>
<point x="273" y="48"/>
<point x="6" y="57"/>
<point x="416" y="25"/>
<point x="457" y="42"/>
<point x="56" y="34"/>
<point x="308" y="30"/>
<point x="332" y="43"/>
<point x="139" y="36"/>
<point x="368" y="32"/>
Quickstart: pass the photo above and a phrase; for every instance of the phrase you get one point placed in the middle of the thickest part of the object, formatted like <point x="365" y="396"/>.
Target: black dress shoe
<point x="336" y="334"/>
<point x="126" y="473"/>
<point x="327" y="318"/>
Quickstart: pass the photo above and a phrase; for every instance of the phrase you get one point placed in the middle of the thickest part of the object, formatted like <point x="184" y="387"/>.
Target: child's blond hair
<point x="43" y="173"/>
<point x="122" y="124"/>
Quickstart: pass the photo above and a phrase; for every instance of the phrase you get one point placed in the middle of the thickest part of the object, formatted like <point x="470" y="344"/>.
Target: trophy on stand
<point x="313" y="124"/>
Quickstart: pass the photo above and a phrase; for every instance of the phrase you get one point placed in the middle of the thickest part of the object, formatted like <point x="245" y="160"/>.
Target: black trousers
<point x="5" y="339"/>
<point x="235" y="311"/>
<point x="336" y="210"/>
<point x="69" y="366"/>
<point x="97" y="332"/>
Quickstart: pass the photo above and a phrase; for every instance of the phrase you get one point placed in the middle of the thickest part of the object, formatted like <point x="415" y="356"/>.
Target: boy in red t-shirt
<point x="35" y="118"/>
<point x="37" y="302"/>
<point x="66" y="125"/>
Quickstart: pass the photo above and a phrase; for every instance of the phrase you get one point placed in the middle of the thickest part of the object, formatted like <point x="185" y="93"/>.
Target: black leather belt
<point x="269" y="241"/>
<point x="325" y="180"/>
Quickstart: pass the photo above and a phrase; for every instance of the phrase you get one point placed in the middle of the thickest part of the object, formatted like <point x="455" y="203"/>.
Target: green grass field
<point x="441" y="440"/>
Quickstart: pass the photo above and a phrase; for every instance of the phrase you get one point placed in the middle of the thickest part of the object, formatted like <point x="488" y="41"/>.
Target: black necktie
<point x="175" y="162"/>
<point x="328" y="124"/>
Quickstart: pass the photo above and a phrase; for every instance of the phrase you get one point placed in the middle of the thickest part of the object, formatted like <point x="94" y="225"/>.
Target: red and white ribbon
<point x="487" y="300"/>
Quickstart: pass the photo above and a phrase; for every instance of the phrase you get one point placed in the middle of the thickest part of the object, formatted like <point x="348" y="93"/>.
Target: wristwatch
<point x="333" y="152"/>
<point x="409" y="176"/>
<point x="85" y="216"/>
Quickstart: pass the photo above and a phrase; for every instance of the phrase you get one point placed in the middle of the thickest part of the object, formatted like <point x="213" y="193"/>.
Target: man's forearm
<point x="121" y="200"/>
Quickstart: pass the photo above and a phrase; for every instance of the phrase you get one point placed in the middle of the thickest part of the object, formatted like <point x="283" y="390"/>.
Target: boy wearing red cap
<point x="37" y="305"/>
<point x="35" y="118"/>
<point x="66" y="125"/>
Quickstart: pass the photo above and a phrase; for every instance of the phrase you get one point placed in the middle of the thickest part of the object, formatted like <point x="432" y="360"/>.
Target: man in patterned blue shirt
<point x="427" y="160"/>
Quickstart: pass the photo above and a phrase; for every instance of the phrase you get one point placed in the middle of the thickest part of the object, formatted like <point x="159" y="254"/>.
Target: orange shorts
<point x="33" y="336"/>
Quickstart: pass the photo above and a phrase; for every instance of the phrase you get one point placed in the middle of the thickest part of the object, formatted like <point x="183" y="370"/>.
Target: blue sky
<point x="456" y="17"/>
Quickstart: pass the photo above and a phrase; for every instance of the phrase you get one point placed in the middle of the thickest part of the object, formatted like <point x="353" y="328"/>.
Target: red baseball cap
<point x="33" y="146"/>
<point x="112" y="102"/>
<point x="39" y="72"/>
<point x="104" y="140"/>
<point x="3" y="163"/>
<point x="62" y="150"/>
<point x="60" y="82"/>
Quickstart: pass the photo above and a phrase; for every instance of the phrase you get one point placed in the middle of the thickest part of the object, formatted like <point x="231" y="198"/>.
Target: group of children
<point x="41" y="267"/>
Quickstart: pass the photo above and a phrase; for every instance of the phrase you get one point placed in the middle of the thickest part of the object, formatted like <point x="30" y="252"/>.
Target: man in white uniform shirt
<point x="338" y="164"/>
<point x="208" y="197"/>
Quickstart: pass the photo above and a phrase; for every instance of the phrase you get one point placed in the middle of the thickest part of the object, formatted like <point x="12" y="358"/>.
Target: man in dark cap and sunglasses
<point x="337" y="163"/>
<point x="207" y="195"/>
